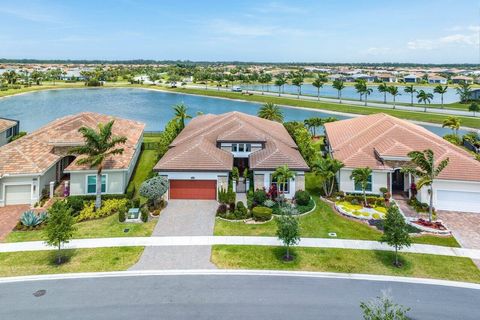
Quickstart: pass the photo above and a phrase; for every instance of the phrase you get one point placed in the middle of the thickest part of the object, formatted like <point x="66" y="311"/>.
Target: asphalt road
<point x="225" y="297"/>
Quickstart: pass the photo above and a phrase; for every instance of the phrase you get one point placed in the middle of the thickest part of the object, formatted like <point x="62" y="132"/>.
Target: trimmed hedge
<point x="262" y="213"/>
<point x="302" y="198"/>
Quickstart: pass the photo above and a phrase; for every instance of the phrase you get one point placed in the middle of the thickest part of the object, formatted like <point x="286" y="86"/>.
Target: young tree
<point x="327" y="169"/>
<point x="361" y="176"/>
<point x="181" y="113"/>
<point x="288" y="232"/>
<point x="383" y="308"/>
<point x="441" y="91"/>
<point x="153" y="189"/>
<point x="280" y="82"/>
<point x="425" y="170"/>
<point x="271" y="112"/>
<point x="60" y="226"/>
<point x="99" y="145"/>
<point x="360" y="86"/>
<point x="474" y="108"/>
<point x="410" y="89"/>
<point x="395" y="231"/>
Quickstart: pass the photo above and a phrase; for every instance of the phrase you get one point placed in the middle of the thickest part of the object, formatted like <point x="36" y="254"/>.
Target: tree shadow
<point x="66" y="257"/>
<point x="387" y="258"/>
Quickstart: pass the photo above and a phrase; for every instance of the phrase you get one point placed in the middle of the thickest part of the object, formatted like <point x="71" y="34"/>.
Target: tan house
<point x="34" y="164"/>
<point x="203" y="155"/>
<point x="382" y="143"/>
<point x="8" y="128"/>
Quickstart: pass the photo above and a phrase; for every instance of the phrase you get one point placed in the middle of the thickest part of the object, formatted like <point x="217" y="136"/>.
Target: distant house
<point x="434" y="79"/>
<point x="30" y="165"/>
<point x="334" y="77"/>
<point x="363" y="76"/>
<point x="73" y="74"/>
<point x="385" y="77"/>
<point x="8" y="128"/>
<point x="475" y="94"/>
<point x="462" y="79"/>
<point x="411" y="78"/>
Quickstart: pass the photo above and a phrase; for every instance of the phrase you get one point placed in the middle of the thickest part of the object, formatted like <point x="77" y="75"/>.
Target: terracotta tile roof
<point x="37" y="152"/>
<point x="364" y="141"/>
<point x="195" y="148"/>
<point x="6" y="124"/>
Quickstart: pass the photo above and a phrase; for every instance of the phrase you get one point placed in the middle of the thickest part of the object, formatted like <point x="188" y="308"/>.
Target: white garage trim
<point x="456" y="200"/>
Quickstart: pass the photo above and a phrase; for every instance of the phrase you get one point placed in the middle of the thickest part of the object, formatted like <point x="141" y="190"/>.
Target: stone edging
<point x="244" y="220"/>
<point x="429" y="230"/>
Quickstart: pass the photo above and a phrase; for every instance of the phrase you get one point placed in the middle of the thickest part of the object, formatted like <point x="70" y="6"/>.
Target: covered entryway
<point x="193" y="189"/>
<point x="18" y="194"/>
<point x="458" y="201"/>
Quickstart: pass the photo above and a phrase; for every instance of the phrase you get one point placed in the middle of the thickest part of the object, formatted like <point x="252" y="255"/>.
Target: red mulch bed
<point x="434" y="225"/>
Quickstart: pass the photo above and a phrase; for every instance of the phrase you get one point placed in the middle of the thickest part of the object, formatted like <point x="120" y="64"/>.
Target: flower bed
<point x="360" y="212"/>
<point x="436" y="227"/>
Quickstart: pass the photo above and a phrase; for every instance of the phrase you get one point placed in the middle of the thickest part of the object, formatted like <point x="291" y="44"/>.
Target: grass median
<point x="346" y="261"/>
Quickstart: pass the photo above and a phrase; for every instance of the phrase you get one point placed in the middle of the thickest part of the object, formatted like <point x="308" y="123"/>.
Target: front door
<point x="398" y="180"/>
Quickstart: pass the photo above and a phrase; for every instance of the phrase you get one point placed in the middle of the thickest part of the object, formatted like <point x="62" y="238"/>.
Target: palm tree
<point x="283" y="174"/>
<point x="297" y="82"/>
<point x="271" y="112"/>
<point x="464" y="91"/>
<point x="452" y="123"/>
<point x="410" y="89"/>
<point x="424" y="169"/>
<point x="318" y="83"/>
<point x="313" y="123"/>
<point x="424" y="97"/>
<point x="99" y="145"/>
<point x="393" y="90"/>
<point x="383" y="88"/>
<point x="361" y="176"/>
<point x="360" y="86"/>
<point x="327" y="169"/>
<point x="474" y="108"/>
<point x="280" y="82"/>
<point x="181" y="114"/>
<point x="366" y="92"/>
<point x="339" y="85"/>
<point x="440" y="90"/>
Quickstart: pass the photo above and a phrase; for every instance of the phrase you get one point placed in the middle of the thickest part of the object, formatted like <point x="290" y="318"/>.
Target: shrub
<point x="453" y="138"/>
<point x="122" y="216"/>
<point x="383" y="190"/>
<point x="130" y="192"/>
<point x="306" y="208"/>
<point x="76" y="204"/>
<point x="231" y="197"/>
<point x="222" y="195"/>
<point x="136" y="203"/>
<point x="231" y="207"/>
<point x="153" y="189"/>
<point x="241" y="212"/>
<point x="302" y="197"/>
<point x="144" y="214"/>
<point x="31" y="219"/>
<point x="259" y="197"/>
<point x="355" y="201"/>
<point x="269" y="203"/>
<point x="109" y="207"/>
<point x="287" y="209"/>
<point x="262" y="213"/>
<point x="222" y="210"/>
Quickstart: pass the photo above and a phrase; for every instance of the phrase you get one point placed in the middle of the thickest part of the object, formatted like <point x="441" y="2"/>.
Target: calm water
<point x="151" y="107"/>
<point x="350" y="93"/>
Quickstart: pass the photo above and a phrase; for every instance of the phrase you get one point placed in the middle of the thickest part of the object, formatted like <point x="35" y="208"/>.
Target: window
<point x="241" y="147"/>
<point x="92" y="183"/>
<point x="10" y="132"/>
<point x="358" y="186"/>
<point x="234" y="147"/>
<point x="283" y="187"/>
<point x="248" y="147"/>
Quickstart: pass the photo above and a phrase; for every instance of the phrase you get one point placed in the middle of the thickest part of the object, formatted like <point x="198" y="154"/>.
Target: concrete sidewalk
<point x="202" y="241"/>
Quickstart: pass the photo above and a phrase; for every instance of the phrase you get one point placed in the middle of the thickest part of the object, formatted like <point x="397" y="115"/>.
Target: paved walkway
<point x="181" y="218"/>
<point x="207" y="241"/>
<point x="464" y="226"/>
<point x="9" y="217"/>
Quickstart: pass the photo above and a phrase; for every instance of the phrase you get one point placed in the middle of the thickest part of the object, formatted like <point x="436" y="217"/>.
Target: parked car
<point x="236" y="89"/>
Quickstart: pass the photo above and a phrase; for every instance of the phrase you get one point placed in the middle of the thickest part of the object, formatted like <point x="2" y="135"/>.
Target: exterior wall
<point x="220" y="177"/>
<point x="267" y="182"/>
<point x="379" y="180"/>
<point x="45" y="179"/>
<point x="33" y="181"/>
<point x="258" y="180"/>
<point x="3" y="138"/>
<point x="116" y="182"/>
<point x="136" y="155"/>
<point x="300" y="181"/>
<point x="468" y="186"/>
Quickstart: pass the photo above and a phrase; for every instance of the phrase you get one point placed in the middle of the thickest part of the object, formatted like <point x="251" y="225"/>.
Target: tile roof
<point x="39" y="150"/>
<point x="195" y="148"/>
<point x="6" y="124"/>
<point x="363" y="141"/>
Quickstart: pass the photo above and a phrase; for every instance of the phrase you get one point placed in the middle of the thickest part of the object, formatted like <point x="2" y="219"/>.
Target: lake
<point x="350" y="93"/>
<point x="151" y="107"/>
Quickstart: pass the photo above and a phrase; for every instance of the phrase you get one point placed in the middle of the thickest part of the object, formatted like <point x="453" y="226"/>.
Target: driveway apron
<point x="181" y="218"/>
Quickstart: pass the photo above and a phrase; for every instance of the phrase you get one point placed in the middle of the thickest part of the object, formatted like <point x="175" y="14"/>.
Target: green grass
<point x="101" y="228"/>
<point x="346" y="261"/>
<point x="78" y="260"/>
<point x="148" y="159"/>
<point x="345" y="107"/>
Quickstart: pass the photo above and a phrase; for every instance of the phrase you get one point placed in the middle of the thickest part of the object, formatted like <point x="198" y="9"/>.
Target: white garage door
<point x="458" y="201"/>
<point x="20" y="194"/>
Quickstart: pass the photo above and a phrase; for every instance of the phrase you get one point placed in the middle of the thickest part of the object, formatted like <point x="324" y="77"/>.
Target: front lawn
<point x="79" y="260"/>
<point x="346" y="261"/>
<point x="147" y="160"/>
<point x="108" y="227"/>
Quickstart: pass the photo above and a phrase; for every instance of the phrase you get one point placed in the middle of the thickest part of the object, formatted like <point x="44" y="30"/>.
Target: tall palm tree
<point x="383" y="88"/>
<point x="181" y="114"/>
<point x="327" y="169"/>
<point x="452" y="123"/>
<point x="360" y="86"/>
<point x="99" y="145"/>
<point x="312" y="124"/>
<point x="424" y="169"/>
<point x="318" y="83"/>
<point x="366" y="92"/>
<point x="441" y="90"/>
<point x="339" y="85"/>
<point x="424" y="97"/>
<point x="393" y="90"/>
<point x="464" y="91"/>
<point x="283" y="174"/>
<point x="280" y="82"/>
<point x="410" y="89"/>
<point x="297" y="81"/>
<point x="271" y="112"/>
<point x="361" y="176"/>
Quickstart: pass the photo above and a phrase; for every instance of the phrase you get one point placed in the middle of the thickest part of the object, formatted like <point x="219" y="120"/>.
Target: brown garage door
<point x="193" y="189"/>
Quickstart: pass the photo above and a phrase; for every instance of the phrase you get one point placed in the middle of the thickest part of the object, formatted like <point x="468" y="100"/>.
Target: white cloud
<point x="457" y="39"/>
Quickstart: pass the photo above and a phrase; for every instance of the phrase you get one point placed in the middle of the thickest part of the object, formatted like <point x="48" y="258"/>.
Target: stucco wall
<point x="379" y="180"/>
<point x="267" y="182"/>
<point x="115" y="182"/>
<point x="50" y="175"/>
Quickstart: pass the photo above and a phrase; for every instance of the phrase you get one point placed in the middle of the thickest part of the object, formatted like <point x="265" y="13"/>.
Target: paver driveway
<point x="464" y="226"/>
<point x="181" y="218"/>
<point x="9" y="216"/>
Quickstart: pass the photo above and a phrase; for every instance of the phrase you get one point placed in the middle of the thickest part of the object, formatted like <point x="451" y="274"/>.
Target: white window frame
<point x="279" y="187"/>
<point x="94" y="175"/>
<point x="360" y="189"/>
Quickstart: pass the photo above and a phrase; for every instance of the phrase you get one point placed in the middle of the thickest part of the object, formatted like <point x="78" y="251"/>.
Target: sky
<point x="421" y="31"/>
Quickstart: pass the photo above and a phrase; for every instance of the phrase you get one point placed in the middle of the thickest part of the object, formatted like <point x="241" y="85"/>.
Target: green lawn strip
<point x="79" y="260"/>
<point x="108" y="227"/>
<point x="346" y="261"/>
<point x="346" y="108"/>
<point x="148" y="159"/>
